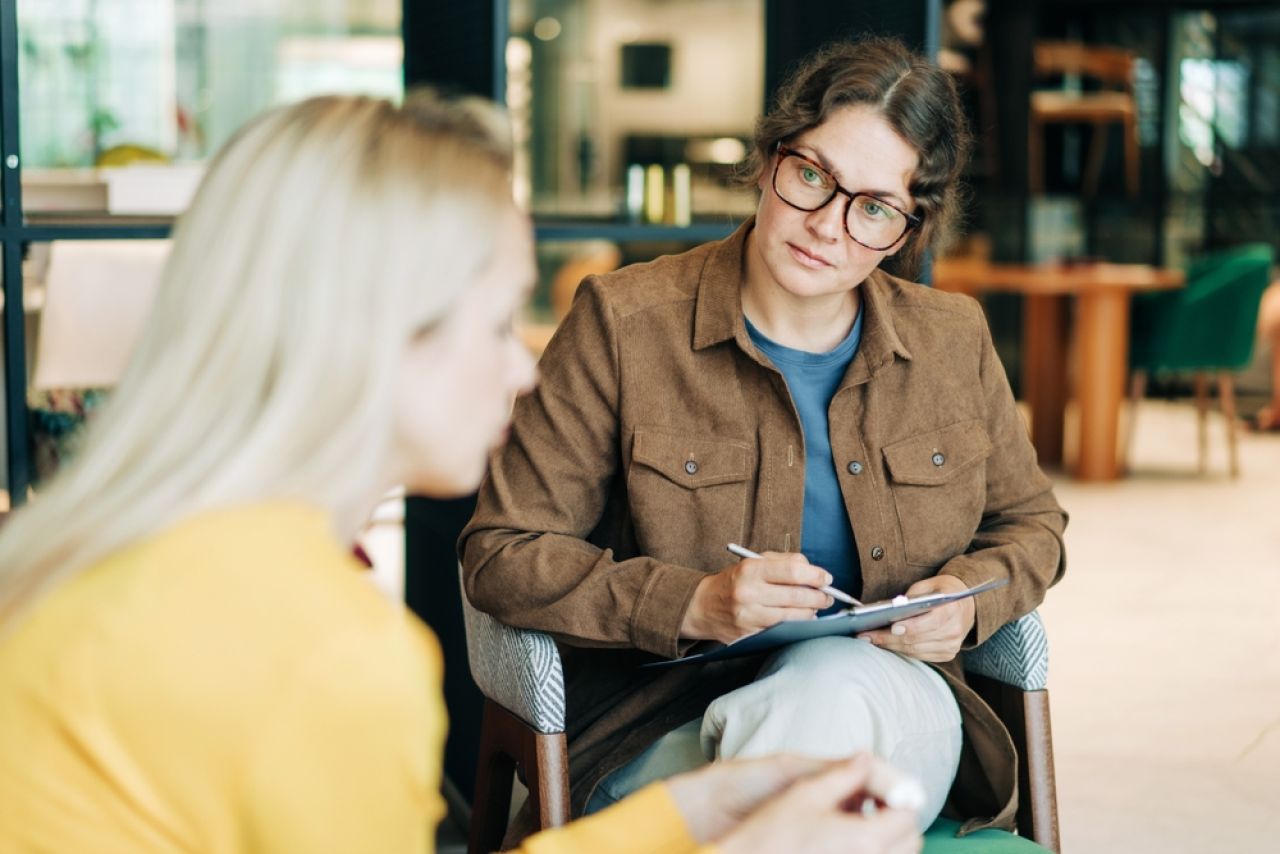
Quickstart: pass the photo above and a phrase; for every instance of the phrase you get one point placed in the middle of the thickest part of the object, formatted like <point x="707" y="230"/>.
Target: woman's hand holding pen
<point x="802" y="806"/>
<point x="754" y="594"/>
<point x="935" y="635"/>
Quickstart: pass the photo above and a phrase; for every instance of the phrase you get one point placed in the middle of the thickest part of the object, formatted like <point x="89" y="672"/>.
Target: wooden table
<point x="1102" y="294"/>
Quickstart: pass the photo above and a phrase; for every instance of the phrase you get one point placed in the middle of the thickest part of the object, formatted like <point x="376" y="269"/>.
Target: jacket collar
<point x="718" y="312"/>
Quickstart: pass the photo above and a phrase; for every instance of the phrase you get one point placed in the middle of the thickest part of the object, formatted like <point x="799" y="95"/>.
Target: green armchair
<point x="1206" y="328"/>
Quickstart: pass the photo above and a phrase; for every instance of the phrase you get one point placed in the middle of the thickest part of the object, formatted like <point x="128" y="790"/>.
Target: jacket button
<point x="690" y="467"/>
<point x="855" y="467"/>
<point x="877" y="553"/>
<point x="938" y="459"/>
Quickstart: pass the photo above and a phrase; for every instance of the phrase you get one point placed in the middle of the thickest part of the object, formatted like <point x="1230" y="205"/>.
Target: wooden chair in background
<point x="1113" y="103"/>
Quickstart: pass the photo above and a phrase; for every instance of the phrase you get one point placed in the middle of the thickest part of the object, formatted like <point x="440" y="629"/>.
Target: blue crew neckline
<point x="780" y="352"/>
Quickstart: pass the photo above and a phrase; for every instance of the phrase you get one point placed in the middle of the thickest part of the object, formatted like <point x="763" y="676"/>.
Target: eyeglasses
<point x="806" y="186"/>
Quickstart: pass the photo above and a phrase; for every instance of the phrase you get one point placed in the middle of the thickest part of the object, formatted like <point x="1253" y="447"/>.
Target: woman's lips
<point x="808" y="259"/>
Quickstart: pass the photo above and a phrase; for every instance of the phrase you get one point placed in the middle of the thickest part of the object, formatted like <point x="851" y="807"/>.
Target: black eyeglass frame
<point x="783" y="151"/>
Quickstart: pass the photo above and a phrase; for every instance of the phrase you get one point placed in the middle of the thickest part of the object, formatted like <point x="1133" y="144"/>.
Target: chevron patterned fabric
<point x="1016" y="655"/>
<point x="518" y="669"/>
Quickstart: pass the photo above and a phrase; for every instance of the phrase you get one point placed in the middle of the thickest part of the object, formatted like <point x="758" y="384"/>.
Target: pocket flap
<point x="691" y="462"/>
<point x="935" y="457"/>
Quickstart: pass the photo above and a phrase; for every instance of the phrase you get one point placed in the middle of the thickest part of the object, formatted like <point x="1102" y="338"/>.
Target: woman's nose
<point x="827" y="222"/>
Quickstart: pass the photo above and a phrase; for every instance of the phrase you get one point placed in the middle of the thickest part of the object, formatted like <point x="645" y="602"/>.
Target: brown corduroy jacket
<point x="659" y="433"/>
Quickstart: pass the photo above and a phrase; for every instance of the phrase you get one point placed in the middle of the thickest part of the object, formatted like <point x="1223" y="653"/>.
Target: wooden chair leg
<point x="1131" y="154"/>
<point x="1093" y="165"/>
<point x="1202" y="419"/>
<point x="495" y="771"/>
<point x="547" y="765"/>
<point x="506" y="744"/>
<point x="1227" y="400"/>
<point x="1035" y="155"/>
<point x="1026" y="714"/>
<point x="1137" y="389"/>
<point x="1040" y="810"/>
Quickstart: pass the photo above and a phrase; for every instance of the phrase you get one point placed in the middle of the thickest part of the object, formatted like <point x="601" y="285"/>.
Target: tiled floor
<point x="1165" y="635"/>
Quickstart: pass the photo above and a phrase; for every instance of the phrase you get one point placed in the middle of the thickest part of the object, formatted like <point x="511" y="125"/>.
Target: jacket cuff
<point x="659" y="612"/>
<point x="989" y="615"/>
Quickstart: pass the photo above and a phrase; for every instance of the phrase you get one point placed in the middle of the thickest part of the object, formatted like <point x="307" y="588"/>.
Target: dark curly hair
<point x="915" y="97"/>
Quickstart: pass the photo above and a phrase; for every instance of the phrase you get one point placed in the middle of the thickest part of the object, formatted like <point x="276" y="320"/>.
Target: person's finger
<point x="793" y="596"/>
<point x="749" y="781"/>
<point x="767" y="775"/>
<point x="825" y="804"/>
<point x="834" y="784"/>
<point x="924" y="587"/>
<point x="943" y="622"/>
<point x="715" y="798"/>
<point x="929" y="621"/>
<point x="935" y="584"/>
<point x="773" y="616"/>
<point x="796" y="569"/>
<point x="893" y="786"/>
<point x="934" y="650"/>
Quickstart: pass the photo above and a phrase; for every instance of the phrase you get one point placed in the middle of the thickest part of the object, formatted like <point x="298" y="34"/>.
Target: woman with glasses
<point x="780" y="390"/>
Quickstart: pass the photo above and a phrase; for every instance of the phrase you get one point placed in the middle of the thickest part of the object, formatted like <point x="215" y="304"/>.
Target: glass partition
<point x="123" y="100"/>
<point x="634" y="110"/>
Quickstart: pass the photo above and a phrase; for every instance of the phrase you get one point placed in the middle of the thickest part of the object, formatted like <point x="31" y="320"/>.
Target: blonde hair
<point x="325" y="235"/>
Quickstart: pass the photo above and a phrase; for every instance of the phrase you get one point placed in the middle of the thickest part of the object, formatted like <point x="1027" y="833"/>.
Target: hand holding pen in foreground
<point x="801" y="804"/>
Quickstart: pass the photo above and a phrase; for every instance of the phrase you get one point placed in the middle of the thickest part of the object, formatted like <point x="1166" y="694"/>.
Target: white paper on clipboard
<point x="860" y="618"/>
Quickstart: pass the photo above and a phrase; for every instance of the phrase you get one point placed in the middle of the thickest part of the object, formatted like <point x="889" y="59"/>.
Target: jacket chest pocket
<point x="939" y="486"/>
<point x="688" y="496"/>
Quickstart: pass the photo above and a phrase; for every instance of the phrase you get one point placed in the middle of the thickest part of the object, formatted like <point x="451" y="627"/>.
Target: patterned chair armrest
<point x="1017" y="655"/>
<point x="518" y="669"/>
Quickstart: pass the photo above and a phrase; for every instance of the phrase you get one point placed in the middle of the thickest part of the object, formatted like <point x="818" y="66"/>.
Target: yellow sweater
<point x="233" y="684"/>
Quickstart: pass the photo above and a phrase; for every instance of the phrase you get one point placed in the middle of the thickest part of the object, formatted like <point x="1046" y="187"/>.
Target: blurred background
<point x="1123" y="217"/>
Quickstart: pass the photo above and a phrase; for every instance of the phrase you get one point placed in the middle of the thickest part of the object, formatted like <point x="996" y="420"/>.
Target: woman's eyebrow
<point x="887" y="195"/>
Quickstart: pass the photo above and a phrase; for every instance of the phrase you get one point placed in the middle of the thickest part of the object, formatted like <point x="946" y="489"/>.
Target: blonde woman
<point x="189" y="659"/>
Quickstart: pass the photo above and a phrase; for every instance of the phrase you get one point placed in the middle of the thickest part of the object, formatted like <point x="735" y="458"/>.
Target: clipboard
<point x="851" y="621"/>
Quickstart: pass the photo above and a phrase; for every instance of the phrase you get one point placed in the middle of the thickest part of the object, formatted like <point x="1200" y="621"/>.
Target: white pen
<point x="838" y="595"/>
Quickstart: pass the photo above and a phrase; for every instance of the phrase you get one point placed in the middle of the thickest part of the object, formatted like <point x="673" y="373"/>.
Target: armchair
<point x="1206" y="328"/>
<point x="520" y="674"/>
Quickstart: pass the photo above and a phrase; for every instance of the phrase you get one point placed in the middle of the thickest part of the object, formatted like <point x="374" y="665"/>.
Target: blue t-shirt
<point x="812" y="378"/>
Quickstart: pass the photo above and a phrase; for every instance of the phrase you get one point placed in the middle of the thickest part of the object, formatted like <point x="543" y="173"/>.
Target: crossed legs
<point x="826" y="697"/>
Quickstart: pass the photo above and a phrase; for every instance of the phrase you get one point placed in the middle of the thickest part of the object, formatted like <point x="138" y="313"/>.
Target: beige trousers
<point x="826" y="697"/>
<point x="835" y="696"/>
